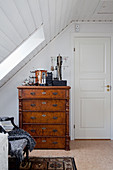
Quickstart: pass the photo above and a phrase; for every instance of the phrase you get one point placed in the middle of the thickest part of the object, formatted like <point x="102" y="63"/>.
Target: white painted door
<point x="92" y="97"/>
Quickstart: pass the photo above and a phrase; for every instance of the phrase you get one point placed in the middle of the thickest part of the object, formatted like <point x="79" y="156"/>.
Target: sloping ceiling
<point x="20" y="18"/>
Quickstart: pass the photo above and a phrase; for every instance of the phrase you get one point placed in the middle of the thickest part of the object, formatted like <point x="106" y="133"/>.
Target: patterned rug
<point x="45" y="163"/>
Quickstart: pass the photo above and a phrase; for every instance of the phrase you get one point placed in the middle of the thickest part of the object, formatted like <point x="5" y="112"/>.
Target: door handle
<point x="33" y="105"/>
<point x="55" y="142"/>
<point x="33" y="130"/>
<point x="43" y="128"/>
<point x="55" y="105"/>
<point x="43" y="102"/>
<point x="54" y="130"/>
<point x="32" y="93"/>
<point x="108" y="86"/>
<point x="55" y="118"/>
<point x="54" y="93"/>
<point x="43" y="92"/>
<point x="43" y="115"/>
<point x="43" y="140"/>
<point x="33" y="117"/>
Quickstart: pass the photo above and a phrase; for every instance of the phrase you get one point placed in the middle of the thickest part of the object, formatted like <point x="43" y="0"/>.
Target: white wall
<point x="63" y="44"/>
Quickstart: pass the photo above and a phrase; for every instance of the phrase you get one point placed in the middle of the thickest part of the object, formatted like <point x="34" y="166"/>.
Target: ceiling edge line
<point x="92" y="22"/>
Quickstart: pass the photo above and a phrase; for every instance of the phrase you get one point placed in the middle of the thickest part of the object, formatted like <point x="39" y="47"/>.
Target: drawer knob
<point x="54" y="130"/>
<point x="33" y="130"/>
<point x="32" y="93"/>
<point x="43" y="140"/>
<point x="55" y="118"/>
<point x="55" y="93"/>
<point x="43" y="92"/>
<point x="33" y="105"/>
<point x="43" y="102"/>
<point x="55" y="142"/>
<point x="54" y="105"/>
<point x="43" y="115"/>
<point x="33" y="117"/>
<point x="43" y="128"/>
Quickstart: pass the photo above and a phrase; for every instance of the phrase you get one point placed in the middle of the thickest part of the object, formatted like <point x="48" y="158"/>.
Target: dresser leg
<point x="67" y="148"/>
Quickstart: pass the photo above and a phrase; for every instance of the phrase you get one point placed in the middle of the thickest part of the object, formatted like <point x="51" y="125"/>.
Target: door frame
<point x="86" y="35"/>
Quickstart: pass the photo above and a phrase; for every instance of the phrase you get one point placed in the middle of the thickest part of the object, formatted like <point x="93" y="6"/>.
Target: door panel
<point x="90" y="119"/>
<point x="92" y="96"/>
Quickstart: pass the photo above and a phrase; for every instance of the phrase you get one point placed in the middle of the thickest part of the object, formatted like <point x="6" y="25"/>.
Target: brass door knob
<point x="108" y="86"/>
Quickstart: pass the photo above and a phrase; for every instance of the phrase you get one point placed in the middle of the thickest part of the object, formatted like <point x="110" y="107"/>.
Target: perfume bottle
<point x="55" y="73"/>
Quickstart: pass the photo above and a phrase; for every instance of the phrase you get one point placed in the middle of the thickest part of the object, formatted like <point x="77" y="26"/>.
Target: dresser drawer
<point x="45" y="130"/>
<point x="43" y="117"/>
<point x="44" y="105"/>
<point x="43" y="93"/>
<point x="50" y="143"/>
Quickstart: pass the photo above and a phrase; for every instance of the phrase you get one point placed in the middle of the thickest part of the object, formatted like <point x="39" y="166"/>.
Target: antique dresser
<point x="44" y="113"/>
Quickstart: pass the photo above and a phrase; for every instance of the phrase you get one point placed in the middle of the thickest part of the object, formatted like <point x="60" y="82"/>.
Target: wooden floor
<point x="88" y="154"/>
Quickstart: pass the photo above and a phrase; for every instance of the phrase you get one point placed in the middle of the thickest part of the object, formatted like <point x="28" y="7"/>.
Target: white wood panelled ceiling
<point x="20" y="18"/>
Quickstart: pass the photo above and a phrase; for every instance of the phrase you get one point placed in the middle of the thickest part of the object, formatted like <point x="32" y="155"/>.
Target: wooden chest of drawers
<point x="44" y="113"/>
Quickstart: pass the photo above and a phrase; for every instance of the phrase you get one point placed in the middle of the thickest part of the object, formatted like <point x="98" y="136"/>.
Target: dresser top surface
<point x="43" y="87"/>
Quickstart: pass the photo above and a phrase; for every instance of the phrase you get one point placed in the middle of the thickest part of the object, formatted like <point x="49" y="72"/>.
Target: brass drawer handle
<point x="43" y="115"/>
<point x="32" y="93"/>
<point x="54" y="105"/>
<point x="55" y="142"/>
<point x="43" y="102"/>
<point x="43" y="128"/>
<point x="43" y="140"/>
<point x="54" y="130"/>
<point x="55" y="118"/>
<point x="43" y="92"/>
<point x="33" y="117"/>
<point x="55" y="93"/>
<point x="33" y="105"/>
<point x="32" y="130"/>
